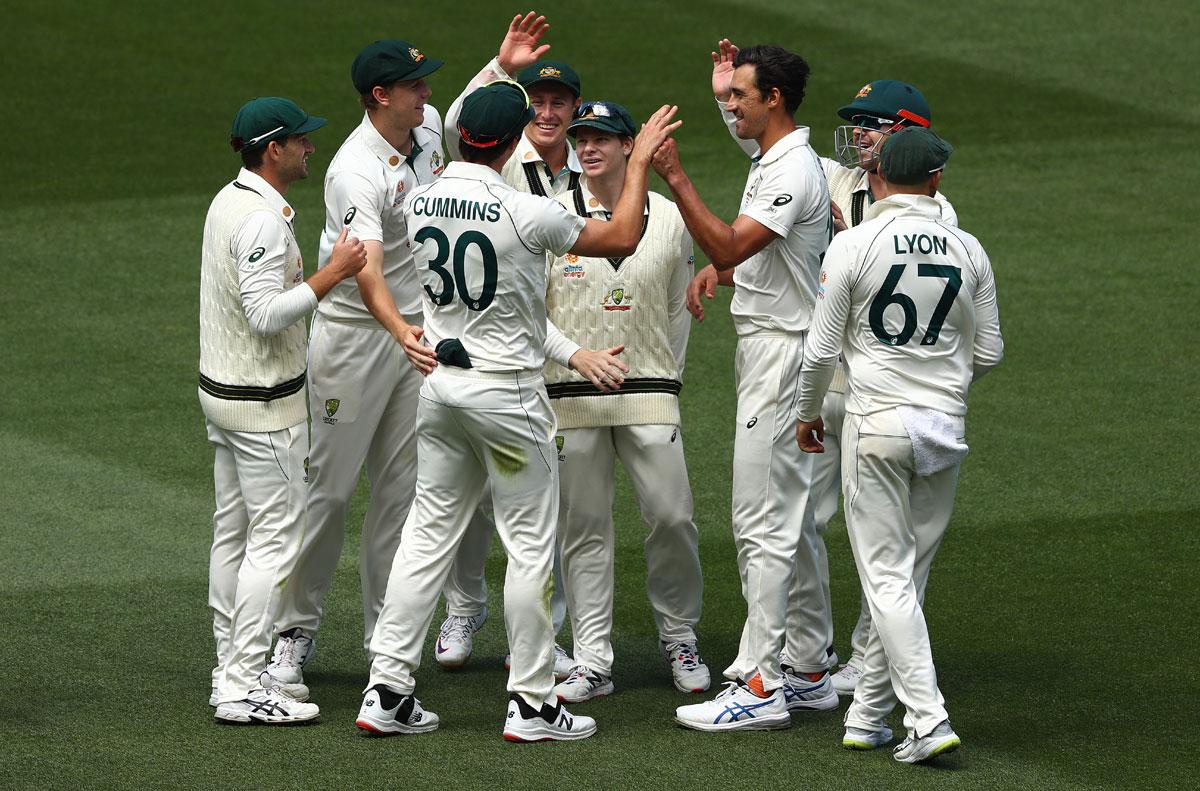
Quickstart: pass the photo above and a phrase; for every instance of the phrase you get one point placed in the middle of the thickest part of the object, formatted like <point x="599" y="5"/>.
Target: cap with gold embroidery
<point x="388" y="61"/>
<point x="550" y="71"/>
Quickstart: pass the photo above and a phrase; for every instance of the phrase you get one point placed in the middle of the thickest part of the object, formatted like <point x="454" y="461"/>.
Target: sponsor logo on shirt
<point x="399" y="199"/>
<point x="436" y="162"/>
<point x="618" y="299"/>
<point x="573" y="270"/>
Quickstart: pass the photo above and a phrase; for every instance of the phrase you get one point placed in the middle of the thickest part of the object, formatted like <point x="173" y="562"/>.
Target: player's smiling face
<point x="553" y="104"/>
<point x="869" y="141"/>
<point x="406" y="102"/>
<point x="747" y="104"/>
<point x="601" y="153"/>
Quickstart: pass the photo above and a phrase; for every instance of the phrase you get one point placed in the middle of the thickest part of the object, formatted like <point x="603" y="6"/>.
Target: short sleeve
<point x="358" y="202"/>
<point x="783" y="196"/>
<point x="555" y="228"/>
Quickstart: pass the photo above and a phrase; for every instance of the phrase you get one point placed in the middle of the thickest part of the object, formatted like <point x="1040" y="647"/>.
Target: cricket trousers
<point x="804" y="621"/>
<point x="258" y="527"/>
<point x="652" y="455"/>
<point x="895" y="519"/>
<point x="362" y="400"/>
<point x="474" y="427"/>
<point x="773" y="526"/>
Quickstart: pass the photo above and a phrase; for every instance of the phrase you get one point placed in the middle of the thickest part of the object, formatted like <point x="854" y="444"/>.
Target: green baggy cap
<point x="494" y="114"/>
<point x="897" y="101"/>
<point x="388" y="61"/>
<point x="550" y="71"/>
<point x="267" y="118"/>
<point x="912" y="156"/>
<point x="609" y="116"/>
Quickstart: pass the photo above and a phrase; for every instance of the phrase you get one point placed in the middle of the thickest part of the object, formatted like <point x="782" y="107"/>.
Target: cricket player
<point x="484" y="413"/>
<point x="771" y="255"/>
<point x="253" y="301"/>
<point x="544" y="164"/>
<point x="877" y="110"/>
<point x="909" y="301"/>
<point x="637" y="302"/>
<point x="362" y="391"/>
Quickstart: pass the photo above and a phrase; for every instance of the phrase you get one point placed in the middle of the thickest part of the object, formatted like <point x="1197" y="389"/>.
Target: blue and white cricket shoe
<point x="736" y="709"/>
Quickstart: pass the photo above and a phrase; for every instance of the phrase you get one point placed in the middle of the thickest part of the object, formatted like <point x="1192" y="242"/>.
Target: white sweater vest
<point x="599" y="306"/>
<point x="247" y="382"/>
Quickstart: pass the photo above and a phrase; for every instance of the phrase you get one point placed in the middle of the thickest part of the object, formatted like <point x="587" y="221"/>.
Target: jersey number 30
<point x="457" y="281"/>
<point x="887" y="296"/>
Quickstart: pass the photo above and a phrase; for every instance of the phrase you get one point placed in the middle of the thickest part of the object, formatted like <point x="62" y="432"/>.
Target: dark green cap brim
<point x="311" y="125"/>
<point x="599" y="123"/>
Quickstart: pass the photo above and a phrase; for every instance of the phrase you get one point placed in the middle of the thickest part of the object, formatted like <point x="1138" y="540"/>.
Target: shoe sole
<point x="758" y="724"/>
<point x="246" y="719"/>
<point x="851" y="743"/>
<point x="373" y="729"/>
<point x="682" y="688"/>
<point x="826" y="703"/>
<point x="545" y="734"/>
<point x="950" y="745"/>
<point x="452" y="665"/>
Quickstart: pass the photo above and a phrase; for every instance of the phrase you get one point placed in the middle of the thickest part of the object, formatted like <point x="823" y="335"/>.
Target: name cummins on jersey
<point x="480" y="249"/>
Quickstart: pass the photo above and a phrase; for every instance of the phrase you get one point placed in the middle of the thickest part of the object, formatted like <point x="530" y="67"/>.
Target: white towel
<point x="938" y="439"/>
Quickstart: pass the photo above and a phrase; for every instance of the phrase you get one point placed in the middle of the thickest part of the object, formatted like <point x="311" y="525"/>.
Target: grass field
<point x="1058" y="608"/>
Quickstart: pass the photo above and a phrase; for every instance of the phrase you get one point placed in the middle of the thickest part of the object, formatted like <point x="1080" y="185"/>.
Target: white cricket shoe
<point x="456" y="638"/>
<point x="941" y="740"/>
<point x="688" y="670"/>
<point x="268" y="707"/>
<point x="863" y="739"/>
<point x="800" y="694"/>
<point x="524" y="723"/>
<point x="298" y="692"/>
<point x="384" y="713"/>
<point x="583" y="684"/>
<point x="292" y="651"/>
<point x="846" y="679"/>
<point x="736" y="708"/>
<point x="563" y="663"/>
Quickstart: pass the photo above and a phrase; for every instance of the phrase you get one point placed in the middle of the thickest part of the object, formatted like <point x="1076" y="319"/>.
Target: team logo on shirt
<point x="573" y="270"/>
<point x="618" y="299"/>
<point x="559" y="441"/>
<point x="399" y="199"/>
<point x="435" y="162"/>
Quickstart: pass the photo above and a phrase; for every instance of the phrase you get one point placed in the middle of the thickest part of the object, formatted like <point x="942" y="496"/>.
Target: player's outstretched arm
<point x="725" y="245"/>
<point x="620" y="235"/>
<point x="378" y="299"/>
<point x="705" y="284"/>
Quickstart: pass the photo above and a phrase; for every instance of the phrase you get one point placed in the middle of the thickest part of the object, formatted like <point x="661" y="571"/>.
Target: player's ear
<point x="380" y="95"/>
<point x="774" y="98"/>
<point x="627" y="145"/>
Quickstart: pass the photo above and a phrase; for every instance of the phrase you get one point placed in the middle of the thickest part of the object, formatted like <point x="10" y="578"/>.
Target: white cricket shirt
<point x="910" y="302"/>
<point x="786" y="191"/>
<point x="366" y="187"/>
<point x="480" y="248"/>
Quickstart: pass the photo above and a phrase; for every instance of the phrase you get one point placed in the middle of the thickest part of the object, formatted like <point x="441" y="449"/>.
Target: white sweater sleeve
<point x="825" y="335"/>
<point x="748" y="146"/>
<point x="260" y="248"/>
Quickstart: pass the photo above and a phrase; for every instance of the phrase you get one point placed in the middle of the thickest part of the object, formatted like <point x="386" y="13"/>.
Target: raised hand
<point x="657" y="129"/>
<point x="722" y="74"/>
<point x="520" y="46"/>
<point x="666" y="160"/>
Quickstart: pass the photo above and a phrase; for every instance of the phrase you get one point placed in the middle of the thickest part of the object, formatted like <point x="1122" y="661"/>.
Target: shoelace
<point x="559" y="651"/>
<point x="287" y="652"/>
<point x="731" y="688"/>
<point x="686" y="653"/>
<point x="578" y="673"/>
<point x="458" y="627"/>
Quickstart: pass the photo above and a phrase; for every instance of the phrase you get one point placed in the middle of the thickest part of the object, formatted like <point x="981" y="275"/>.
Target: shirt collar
<point x="381" y="148"/>
<point x="276" y="201"/>
<point x="904" y="204"/>
<point x="527" y="153"/>
<point x="472" y="170"/>
<point x="794" y="139"/>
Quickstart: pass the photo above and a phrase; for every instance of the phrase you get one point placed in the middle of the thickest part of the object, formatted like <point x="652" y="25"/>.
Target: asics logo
<point x="737" y="711"/>
<point x="753" y="420"/>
